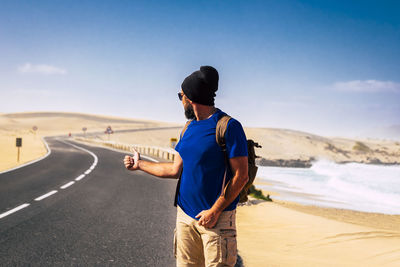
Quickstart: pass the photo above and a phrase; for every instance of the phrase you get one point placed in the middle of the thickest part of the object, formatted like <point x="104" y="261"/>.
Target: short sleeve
<point x="235" y="138"/>
<point x="178" y="145"/>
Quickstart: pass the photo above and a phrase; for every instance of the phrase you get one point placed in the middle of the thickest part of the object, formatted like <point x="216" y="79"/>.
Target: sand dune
<point x="55" y="123"/>
<point x="277" y="144"/>
<point x="50" y="124"/>
<point x="269" y="234"/>
<point x="290" y="144"/>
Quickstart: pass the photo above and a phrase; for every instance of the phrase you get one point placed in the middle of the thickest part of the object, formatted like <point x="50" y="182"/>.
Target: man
<point x="205" y="233"/>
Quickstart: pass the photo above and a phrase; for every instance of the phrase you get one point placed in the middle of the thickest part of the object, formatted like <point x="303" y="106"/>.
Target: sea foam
<point x="362" y="187"/>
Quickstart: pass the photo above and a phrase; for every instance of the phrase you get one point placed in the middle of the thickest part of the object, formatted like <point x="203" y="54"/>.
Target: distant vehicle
<point x="108" y="131"/>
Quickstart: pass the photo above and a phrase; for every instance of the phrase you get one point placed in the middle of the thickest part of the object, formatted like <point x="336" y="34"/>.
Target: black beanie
<point x="201" y="85"/>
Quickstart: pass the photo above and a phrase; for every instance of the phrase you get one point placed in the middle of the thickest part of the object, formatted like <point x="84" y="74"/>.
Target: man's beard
<point x="189" y="112"/>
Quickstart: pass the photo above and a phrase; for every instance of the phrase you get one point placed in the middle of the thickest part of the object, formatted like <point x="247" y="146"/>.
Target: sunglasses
<point x="180" y="96"/>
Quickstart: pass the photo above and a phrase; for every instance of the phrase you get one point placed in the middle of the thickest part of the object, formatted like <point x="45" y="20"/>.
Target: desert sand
<point x="282" y="233"/>
<point x="269" y="234"/>
<point x="277" y="144"/>
<point x="290" y="145"/>
<point x="53" y="124"/>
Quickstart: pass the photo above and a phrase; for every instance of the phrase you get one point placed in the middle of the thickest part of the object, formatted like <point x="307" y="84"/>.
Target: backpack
<point x="222" y="125"/>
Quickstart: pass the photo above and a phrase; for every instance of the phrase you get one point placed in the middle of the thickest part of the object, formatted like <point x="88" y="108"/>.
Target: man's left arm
<point x="239" y="167"/>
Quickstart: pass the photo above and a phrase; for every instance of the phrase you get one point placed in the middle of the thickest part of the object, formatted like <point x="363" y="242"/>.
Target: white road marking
<point x="148" y="158"/>
<point x="124" y="152"/>
<point x="80" y="177"/>
<point x="67" y="185"/>
<point x="88" y="151"/>
<point x="2" y="215"/>
<point x="33" y="161"/>
<point x="46" y="195"/>
<point x="14" y="210"/>
<point x="81" y="148"/>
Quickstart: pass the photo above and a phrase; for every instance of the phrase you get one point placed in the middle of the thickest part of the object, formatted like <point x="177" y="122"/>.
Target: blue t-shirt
<point x="204" y="163"/>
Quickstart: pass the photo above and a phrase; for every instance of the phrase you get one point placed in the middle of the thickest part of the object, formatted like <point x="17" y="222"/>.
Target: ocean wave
<point x="363" y="187"/>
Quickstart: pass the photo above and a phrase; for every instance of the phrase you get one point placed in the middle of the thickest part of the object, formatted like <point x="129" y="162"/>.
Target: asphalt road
<point x="111" y="216"/>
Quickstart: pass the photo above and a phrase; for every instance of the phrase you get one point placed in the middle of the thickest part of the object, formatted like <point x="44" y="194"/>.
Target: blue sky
<point x="326" y="67"/>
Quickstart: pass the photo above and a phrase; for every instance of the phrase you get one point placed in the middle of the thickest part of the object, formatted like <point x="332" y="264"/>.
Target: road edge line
<point x="33" y="161"/>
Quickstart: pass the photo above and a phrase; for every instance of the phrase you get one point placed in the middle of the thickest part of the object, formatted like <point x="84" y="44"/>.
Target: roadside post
<point x="18" y="144"/>
<point x="173" y="142"/>
<point x="84" y="129"/>
<point x="34" y="128"/>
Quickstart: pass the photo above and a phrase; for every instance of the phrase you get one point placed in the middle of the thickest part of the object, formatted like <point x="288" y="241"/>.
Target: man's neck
<point x="204" y="112"/>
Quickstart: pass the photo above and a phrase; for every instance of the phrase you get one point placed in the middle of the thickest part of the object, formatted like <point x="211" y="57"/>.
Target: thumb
<point x="198" y="215"/>
<point x="135" y="152"/>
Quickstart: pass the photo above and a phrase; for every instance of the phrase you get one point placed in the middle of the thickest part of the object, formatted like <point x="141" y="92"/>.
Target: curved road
<point x="109" y="216"/>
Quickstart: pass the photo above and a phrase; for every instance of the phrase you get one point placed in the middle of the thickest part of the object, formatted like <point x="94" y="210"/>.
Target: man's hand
<point x="132" y="163"/>
<point x="208" y="218"/>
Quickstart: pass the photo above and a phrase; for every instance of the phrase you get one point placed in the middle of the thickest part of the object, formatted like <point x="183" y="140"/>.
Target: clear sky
<point x="326" y="67"/>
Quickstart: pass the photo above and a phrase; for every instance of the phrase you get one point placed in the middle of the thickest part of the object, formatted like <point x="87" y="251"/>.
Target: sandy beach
<point x="269" y="233"/>
<point x="278" y="234"/>
<point x="283" y="233"/>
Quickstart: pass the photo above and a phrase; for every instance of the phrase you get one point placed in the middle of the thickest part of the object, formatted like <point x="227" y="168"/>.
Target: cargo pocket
<point x="175" y="244"/>
<point x="228" y="247"/>
<point x="212" y="249"/>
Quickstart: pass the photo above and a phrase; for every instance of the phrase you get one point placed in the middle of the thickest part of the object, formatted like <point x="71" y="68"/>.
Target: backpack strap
<point x="222" y="125"/>
<point x="220" y="131"/>
<point x="178" y="185"/>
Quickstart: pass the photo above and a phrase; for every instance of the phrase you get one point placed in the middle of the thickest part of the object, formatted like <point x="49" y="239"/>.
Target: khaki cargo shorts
<point x="196" y="245"/>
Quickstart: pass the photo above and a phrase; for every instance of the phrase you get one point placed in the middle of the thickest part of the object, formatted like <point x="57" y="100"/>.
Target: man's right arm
<point x="159" y="169"/>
